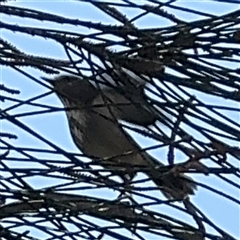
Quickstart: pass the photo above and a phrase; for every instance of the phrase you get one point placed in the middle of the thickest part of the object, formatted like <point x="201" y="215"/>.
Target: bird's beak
<point x="48" y="80"/>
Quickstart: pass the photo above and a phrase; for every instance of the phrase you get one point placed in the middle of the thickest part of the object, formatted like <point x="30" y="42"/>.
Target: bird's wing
<point x="111" y="140"/>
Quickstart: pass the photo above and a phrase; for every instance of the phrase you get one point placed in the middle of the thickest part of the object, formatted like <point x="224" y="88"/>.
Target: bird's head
<point x="72" y="88"/>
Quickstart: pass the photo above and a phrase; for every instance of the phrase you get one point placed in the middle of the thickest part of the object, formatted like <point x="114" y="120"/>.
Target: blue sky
<point x="53" y="126"/>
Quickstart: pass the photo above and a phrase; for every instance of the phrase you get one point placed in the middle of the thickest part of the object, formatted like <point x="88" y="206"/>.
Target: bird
<point x="93" y="117"/>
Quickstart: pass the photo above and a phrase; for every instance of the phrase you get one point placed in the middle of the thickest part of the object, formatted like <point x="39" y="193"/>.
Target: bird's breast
<point x="96" y="135"/>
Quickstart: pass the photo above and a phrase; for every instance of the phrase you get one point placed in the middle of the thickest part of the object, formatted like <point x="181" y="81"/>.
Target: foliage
<point x="180" y="62"/>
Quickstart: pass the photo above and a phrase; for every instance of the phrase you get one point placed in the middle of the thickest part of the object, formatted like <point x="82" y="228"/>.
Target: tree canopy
<point x="192" y="75"/>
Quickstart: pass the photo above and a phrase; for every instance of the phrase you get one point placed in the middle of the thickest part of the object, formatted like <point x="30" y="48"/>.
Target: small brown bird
<point x="93" y="123"/>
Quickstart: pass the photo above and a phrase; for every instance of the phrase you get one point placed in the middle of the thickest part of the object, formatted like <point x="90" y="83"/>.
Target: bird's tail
<point x="172" y="184"/>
